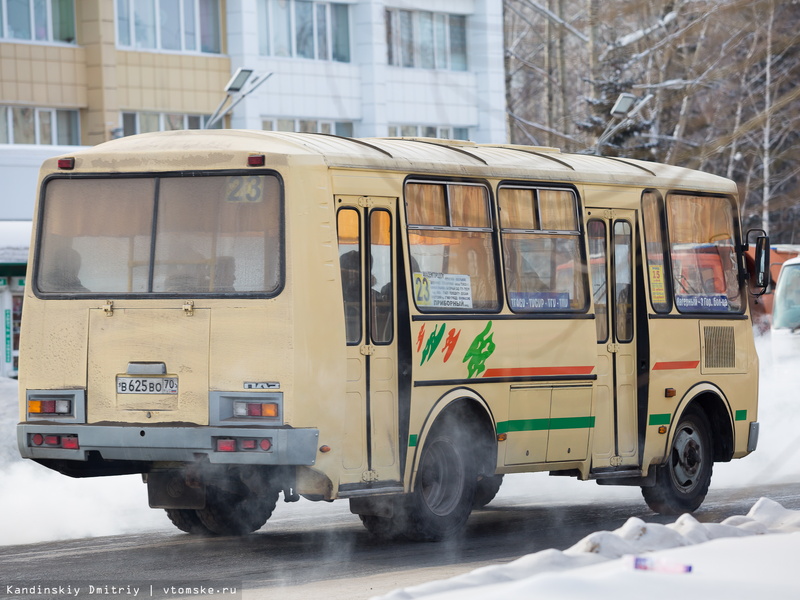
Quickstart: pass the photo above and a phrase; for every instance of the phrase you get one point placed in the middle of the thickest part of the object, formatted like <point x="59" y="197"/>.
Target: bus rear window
<point x="152" y="235"/>
<point x="703" y="252"/>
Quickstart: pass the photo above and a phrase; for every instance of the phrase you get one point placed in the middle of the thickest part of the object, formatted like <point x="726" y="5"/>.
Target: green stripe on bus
<point x="412" y="440"/>
<point x="741" y="415"/>
<point x="660" y="419"/>
<point x="545" y="424"/>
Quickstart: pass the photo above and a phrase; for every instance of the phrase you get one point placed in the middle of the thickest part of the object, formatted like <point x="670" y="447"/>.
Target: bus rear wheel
<point x="242" y="507"/>
<point x="682" y="482"/>
<point x="186" y="520"/>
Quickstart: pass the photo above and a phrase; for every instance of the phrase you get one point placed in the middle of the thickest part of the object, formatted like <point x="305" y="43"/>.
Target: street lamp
<point x="626" y="107"/>
<point x="235" y="89"/>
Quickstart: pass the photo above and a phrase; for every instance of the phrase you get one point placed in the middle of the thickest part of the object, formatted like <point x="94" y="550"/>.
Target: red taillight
<point x="37" y="439"/>
<point x="266" y="444"/>
<point x="226" y="445"/>
<point x="256" y="160"/>
<point x="66" y="163"/>
<point x="253" y="410"/>
<point x="52" y="440"/>
<point x="70" y="442"/>
<point x="248" y="444"/>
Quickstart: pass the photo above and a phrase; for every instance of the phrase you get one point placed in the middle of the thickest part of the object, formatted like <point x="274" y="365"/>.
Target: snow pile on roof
<point x="606" y="557"/>
<point x="15" y="238"/>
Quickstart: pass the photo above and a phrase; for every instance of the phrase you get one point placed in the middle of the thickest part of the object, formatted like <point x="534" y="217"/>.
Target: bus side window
<point x="541" y="246"/>
<point x="381" y="289"/>
<point x="348" y="227"/>
<point x="598" y="266"/>
<point x="451" y="241"/>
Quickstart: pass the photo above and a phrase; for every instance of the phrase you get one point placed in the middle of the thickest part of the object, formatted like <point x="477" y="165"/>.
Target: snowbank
<point x="722" y="564"/>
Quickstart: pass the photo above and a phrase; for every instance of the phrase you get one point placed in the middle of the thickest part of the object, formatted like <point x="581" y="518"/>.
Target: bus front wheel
<point x="445" y="487"/>
<point x="682" y="482"/>
<point x="486" y="490"/>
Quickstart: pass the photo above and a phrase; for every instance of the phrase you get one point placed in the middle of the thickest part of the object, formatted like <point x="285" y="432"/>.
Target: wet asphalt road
<point x="321" y="549"/>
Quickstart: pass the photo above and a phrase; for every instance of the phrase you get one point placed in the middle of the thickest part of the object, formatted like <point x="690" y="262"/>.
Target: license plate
<point x="147" y="385"/>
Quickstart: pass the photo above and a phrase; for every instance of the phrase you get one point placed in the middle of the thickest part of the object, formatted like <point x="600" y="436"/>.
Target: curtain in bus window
<point x="598" y="269"/>
<point x="703" y="253"/>
<point x="381" y="296"/>
<point x="557" y="210"/>
<point x="348" y="226"/>
<point x="217" y="235"/>
<point x="468" y="206"/>
<point x="95" y="236"/>
<point x="426" y="204"/>
<point x="655" y="251"/>
<point x="518" y="209"/>
<point x="623" y="282"/>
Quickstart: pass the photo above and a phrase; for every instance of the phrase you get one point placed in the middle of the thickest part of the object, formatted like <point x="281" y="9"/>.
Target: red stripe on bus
<point x="678" y="364"/>
<point x="538" y="371"/>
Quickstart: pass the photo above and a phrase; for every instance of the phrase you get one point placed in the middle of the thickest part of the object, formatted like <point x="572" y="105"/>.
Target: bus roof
<point x="202" y="149"/>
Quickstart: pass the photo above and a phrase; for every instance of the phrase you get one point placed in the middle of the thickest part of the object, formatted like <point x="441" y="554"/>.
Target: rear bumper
<point x="178" y="444"/>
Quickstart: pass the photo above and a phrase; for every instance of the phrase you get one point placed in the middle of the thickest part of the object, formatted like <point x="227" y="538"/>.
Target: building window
<point x="426" y="40"/>
<point x="340" y="128"/>
<point x="175" y="25"/>
<point x="147" y="122"/>
<point x="42" y="126"/>
<point x="38" y="20"/>
<point x="430" y="131"/>
<point x="304" y="29"/>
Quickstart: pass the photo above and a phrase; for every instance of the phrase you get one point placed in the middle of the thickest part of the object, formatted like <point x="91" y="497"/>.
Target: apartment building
<point x="80" y="72"/>
<point x="83" y="71"/>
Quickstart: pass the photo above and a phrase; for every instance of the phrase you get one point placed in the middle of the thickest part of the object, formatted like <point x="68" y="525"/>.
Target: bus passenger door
<point x="611" y="249"/>
<point x="366" y="230"/>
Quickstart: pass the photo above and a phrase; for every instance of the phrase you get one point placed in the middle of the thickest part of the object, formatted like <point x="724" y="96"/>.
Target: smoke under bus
<point x="395" y="322"/>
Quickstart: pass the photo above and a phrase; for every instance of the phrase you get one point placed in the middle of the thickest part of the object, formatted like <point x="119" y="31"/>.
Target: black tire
<point x="186" y="520"/>
<point x="383" y="528"/>
<point x="445" y="488"/>
<point x="227" y="513"/>
<point x="486" y="490"/>
<point x="682" y="482"/>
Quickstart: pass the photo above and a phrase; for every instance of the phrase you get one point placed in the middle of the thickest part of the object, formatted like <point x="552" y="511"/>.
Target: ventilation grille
<point x="720" y="348"/>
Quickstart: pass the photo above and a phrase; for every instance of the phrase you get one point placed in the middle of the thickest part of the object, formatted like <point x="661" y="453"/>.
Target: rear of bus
<point x="156" y="333"/>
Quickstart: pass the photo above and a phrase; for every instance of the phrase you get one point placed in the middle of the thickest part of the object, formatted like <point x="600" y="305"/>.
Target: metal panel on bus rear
<point x="167" y="336"/>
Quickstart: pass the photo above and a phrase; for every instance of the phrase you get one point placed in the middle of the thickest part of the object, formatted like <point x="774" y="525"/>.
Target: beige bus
<point x="397" y="322"/>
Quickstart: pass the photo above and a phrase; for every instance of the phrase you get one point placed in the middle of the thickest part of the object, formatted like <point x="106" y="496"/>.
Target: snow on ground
<point x="742" y="557"/>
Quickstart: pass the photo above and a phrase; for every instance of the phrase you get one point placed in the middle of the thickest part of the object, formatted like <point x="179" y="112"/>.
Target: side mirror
<point x="760" y="277"/>
<point x="762" y="264"/>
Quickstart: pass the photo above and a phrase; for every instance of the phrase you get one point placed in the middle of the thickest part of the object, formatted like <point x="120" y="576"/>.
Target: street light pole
<point x="235" y="89"/>
<point x="626" y="106"/>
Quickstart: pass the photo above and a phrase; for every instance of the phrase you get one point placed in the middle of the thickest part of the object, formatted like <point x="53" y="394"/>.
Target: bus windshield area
<point x="161" y="235"/>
